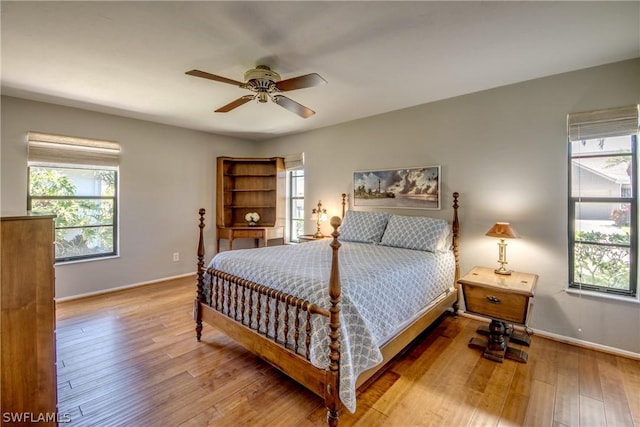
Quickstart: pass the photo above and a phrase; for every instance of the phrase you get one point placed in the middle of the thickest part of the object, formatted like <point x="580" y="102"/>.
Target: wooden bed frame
<point x="286" y="355"/>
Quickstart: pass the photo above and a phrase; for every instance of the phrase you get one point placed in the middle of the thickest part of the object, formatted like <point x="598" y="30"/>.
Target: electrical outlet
<point x="176" y="256"/>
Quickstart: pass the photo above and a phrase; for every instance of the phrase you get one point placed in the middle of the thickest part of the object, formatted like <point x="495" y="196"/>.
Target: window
<point x="603" y="201"/>
<point x="294" y="164"/>
<point x="76" y="179"/>
<point x="296" y="204"/>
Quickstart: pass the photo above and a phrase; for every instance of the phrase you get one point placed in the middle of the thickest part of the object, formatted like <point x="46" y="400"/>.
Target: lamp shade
<point x="502" y="230"/>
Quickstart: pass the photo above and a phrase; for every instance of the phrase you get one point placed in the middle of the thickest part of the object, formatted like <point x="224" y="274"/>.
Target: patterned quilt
<point x="382" y="288"/>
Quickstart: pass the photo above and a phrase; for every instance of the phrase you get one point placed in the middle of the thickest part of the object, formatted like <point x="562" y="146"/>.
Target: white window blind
<point x="294" y="161"/>
<point x="48" y="148"/>
<point x="602" y="123"/>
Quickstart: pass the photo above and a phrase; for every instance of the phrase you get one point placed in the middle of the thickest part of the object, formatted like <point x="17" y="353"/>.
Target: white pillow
<point x="363" y="226"/>
<point x="445" y="243"/>
<point x="417" y="232"/>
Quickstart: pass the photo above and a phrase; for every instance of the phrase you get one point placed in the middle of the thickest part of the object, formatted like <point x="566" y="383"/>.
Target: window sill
<point x="602" y="295"/>
<point x="78" y="261"/>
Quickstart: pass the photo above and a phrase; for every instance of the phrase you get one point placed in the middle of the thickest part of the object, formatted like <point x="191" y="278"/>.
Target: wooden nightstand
<point x="310" y="238"/>
<point x="505" y="299"/>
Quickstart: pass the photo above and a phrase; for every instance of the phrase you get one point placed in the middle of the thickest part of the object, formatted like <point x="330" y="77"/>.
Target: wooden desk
<point x="505" y="299"/>
<point x="256" y="233"/>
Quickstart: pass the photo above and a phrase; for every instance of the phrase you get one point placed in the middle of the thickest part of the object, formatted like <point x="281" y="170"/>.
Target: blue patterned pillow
<point x="363" y="226"/>
<point x="416" y="232"/>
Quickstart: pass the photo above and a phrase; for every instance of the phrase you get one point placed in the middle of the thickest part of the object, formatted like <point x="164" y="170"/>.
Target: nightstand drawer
<point x="495" y="303"/>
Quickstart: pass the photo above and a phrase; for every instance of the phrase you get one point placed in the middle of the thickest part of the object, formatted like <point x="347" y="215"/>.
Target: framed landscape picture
<point x="409" y="188"/>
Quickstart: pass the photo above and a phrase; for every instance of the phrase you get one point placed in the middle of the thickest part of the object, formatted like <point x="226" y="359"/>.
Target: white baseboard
<point x="569" y="340"/>
<point x="120" y="288"/>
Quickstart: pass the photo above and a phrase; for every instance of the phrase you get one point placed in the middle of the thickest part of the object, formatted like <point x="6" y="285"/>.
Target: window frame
<point x="113" y="199"/>
<point x="291" y="199"/>
<point x="632" y="201"/>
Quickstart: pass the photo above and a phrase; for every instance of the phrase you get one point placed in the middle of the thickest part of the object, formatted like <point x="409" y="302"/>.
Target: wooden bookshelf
<point x="247" y="185"/>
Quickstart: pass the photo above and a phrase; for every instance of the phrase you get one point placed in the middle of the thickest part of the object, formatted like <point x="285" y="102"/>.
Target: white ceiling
<point x="129" y="58"/>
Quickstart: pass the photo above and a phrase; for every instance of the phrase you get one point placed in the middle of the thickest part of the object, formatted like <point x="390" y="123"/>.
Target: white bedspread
<point x="382" y="287"/>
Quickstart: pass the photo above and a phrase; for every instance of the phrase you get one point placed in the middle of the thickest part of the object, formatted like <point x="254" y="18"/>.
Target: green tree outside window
<point x="84" y="201"/>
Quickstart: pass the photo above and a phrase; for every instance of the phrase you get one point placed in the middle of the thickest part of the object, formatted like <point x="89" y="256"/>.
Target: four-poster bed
<point x="399" y="275"/>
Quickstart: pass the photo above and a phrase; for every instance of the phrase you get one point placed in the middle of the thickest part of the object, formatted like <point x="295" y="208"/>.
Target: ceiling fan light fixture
<point x="263" y="96"/>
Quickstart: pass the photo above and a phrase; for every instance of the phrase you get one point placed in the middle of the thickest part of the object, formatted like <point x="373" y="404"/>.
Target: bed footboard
<point x="273" y="324"/>
<point x="278" y="316"/>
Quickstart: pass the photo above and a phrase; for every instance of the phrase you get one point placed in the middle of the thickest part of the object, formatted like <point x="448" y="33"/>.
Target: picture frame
<point x="407" y="188"/>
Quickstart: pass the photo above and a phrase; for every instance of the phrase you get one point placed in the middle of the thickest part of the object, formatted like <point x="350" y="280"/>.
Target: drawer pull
<point x="493" y="300"/>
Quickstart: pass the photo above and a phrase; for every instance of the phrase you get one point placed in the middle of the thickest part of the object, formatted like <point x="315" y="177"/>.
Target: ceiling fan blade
<point x="205" y="75"/>
<point x="293" y="106"/>
<point x="234" y="104"/>
<point x="300" y="82"/>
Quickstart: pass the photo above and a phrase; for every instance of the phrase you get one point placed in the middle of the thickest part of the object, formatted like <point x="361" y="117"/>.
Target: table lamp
<point x="321" y="215"/>
<point x="502" y="230"/>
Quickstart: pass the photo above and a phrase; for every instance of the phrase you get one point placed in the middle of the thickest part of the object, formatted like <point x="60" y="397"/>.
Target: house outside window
<point x="77" y="180"/>
<point x="603" y="201"/>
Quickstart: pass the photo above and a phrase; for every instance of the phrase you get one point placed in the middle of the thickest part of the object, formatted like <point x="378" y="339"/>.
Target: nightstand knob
<point x="493" y="300"/>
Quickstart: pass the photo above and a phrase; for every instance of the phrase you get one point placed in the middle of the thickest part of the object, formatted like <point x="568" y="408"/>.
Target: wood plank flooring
<point x="130" y="358"/>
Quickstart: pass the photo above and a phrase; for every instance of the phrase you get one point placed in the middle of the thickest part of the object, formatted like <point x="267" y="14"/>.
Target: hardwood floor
<point x="131" y="358"/>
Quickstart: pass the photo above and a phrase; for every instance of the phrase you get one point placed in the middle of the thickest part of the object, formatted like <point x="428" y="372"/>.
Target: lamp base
<point x="318" y="235"/>
<point x="502" y="271"/>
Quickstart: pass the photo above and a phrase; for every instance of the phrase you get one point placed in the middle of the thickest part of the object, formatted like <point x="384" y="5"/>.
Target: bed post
<point x="344" y="204"/>
<point x="455" y="229"/>
<point x="197" y="310"/>
<point x="331" y="396"/>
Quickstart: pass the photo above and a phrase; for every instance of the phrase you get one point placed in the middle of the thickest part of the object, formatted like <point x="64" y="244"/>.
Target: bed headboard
<point x="455" y="228"/>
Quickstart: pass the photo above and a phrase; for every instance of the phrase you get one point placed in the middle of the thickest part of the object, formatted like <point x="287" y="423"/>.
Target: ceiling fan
<point x="266" y="84"/>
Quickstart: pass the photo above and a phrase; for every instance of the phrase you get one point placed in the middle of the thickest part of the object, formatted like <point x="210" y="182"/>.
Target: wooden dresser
<point x="27" y="323"/>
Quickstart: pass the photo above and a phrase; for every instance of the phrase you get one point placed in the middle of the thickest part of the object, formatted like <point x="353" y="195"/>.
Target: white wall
<point x="166" y="175"/>
<point x="505" y="151"/>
